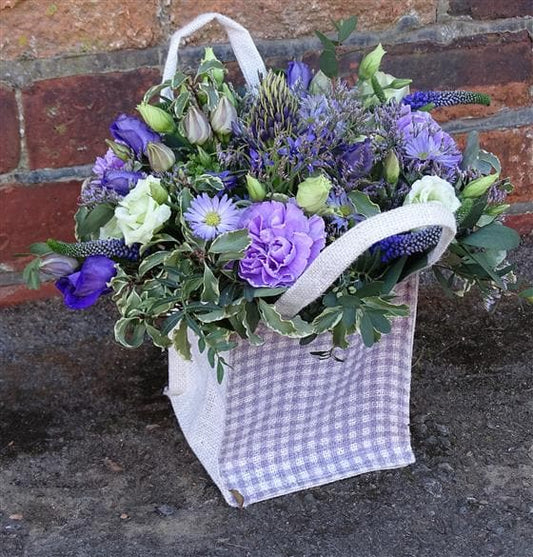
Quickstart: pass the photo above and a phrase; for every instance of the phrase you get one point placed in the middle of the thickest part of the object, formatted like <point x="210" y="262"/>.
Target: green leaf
<point x="208" y="66"/>
<point x="328" y="63"/>
<point x="493" y="236"/>
<point x="40" y="248"/>
<point x="346" y="28"/>
<point x="392" y="276"/>
<point x="181" y="342"/>
<point x="327" y="43"/>
<point x="471" y="150"/>
<point x="527" y="294"/>
<point x="171" y="321"/>
<point x="220" y="370"/>
<point x="326" y="320"/>
<point x="380" y="322"/>
<point x="268" y="292"/>
<point x="178" y="79"/>
<point x="367" y="330"/>
<point x="31" y="275"/>
<point x="89" y="221"/>
<point x="158" y="339"/>
<point x="363" y="205"/>
<point x="235" y="241"/>
<point x="129" y="331"/>
<point x="294" y="328"/>
<point x="210" y="291"/>
<point x="339" y="335"/>
<point x="180" y="103"/>
<point x="152" y="261"/>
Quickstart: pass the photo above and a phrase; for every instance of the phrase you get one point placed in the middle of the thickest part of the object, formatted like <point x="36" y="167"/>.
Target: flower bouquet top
<point x="211" y="204"/>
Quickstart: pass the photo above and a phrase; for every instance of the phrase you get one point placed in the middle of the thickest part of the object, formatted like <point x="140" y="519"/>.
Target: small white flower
<point x="433" y="188"/>
<point x="139" y="216"/>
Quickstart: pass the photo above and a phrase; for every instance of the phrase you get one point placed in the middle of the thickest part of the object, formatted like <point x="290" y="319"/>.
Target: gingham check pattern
<point x="285" y="420"/>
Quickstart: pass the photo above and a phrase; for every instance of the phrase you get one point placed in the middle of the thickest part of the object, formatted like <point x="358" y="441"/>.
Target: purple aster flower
<point x="284" y="243"/>
<point x="108" y="162"/>
<point x="81" y="289"/>
<point x="298" y="75"/>
<point x="444" y="98"/>
<point x="212" y="216"/>
<point x="428" y="145"/>
<point x="134" y="133"/>
<point x="121" y="181"/>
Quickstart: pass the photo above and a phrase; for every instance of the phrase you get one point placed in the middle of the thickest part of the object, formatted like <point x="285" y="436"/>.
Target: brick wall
<point x="70" y="66"/>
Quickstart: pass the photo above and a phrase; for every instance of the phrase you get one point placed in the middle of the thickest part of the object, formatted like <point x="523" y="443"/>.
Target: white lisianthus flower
<point x="433" y="188"/>
<point x="139" y="216"/>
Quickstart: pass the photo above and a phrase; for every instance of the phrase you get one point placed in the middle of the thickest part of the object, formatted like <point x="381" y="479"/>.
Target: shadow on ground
<point x="93" y="464"/>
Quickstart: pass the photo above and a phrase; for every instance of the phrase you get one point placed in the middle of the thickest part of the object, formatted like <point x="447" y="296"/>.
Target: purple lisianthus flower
<point x="120" y="181"/>
<point x="284" y="243"/>
<point x="209" y="217"/>
<point x="357" y="159"/>
<point x="81" y="289"/>
<point x="134" y="133"/>
<point x="298" y="75"/>
<point x="108" y="162"/>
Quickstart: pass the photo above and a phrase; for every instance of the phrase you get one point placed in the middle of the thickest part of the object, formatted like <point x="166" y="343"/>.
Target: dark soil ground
<point x="92" y="462"/>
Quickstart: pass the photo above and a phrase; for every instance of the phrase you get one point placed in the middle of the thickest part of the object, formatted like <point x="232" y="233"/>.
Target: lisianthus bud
<point x="320" y="84"/>
<point x="122" y="151"/>
<point x="158" y="192"/>
<point x="256" y="190"/>
<point x="157" y="118"/>
<point x="223" y="116"/>
<point x="196" y="127"/>
<point x="58" y="266"/>
<point x="227" y="92"/>
<point x="370" y="63"/>
<point x="391" y="168"/>
<point x="160" y="156"/>
<point x="477" y="187"/>
<point x="313" y="193"/>
<point x="218" y="74"/>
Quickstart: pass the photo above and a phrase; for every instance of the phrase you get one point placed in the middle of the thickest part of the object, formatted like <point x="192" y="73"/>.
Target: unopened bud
<point x="391" y="168"/>
<point x="160" y="156"/>
<point x="122" y="151"/>
<point x="158" y="192"/>
<point x="477" y="187"/>
<point x="320" y="84"/>
<point x="57" y="266"/>
<point x="313" y="193"/>
<point x="223" y="116"/>
<point x="370" y="63"/>
<point x="157" y="118"/>
<point x="256" y="190"/>
<point x="196" y="126"/>
<point x="217" y="73"/>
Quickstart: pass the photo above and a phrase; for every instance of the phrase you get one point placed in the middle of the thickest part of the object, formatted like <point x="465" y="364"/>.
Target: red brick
<point x="42" y="29"/>
<point x="31" y="214"/>
<point x="10" y="137"/>
<point x="523" y="224"/>
<point x="67" y="119"/>
<point x="473" y="61"/>
<point x="514" y="148"/>
<point x="493" y="9"/>
<point x="18" y="294"/>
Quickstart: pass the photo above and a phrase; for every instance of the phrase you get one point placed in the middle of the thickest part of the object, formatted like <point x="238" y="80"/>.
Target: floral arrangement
<point x="210" y="205"/>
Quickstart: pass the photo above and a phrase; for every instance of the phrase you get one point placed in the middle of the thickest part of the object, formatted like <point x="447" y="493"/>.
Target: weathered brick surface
<point x="17" y="294"/>
<point x="31" y="214"/>
<point x="272" y="19"/>
<point x="9" y="136"/>
<point x="514" y="148"/>
<point x="491" y="9"/>
<point x="492" y="59"/>
<point x="523" y="224"/>
<point x="67" y="119"/>
<point x="42" y="29"/>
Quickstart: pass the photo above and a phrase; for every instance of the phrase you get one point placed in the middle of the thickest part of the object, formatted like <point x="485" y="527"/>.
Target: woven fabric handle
<point x="246" y="53"/>
<point x="337" y="257"/>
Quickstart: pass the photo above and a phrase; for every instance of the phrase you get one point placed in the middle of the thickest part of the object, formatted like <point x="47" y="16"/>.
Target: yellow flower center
<point x="212" y="218"/>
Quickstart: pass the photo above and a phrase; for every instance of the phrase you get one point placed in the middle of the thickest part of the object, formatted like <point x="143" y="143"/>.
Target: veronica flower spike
<point x="435" y="99"/>
<point x="209" y="217"/>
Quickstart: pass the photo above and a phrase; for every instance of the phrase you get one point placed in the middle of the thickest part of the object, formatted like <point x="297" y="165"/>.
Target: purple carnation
<point x="284" y="243"/>
<point x="134" y="133"/>
<point x="81" y="289"/>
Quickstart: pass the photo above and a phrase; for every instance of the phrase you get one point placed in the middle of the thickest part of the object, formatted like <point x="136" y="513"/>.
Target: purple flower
<point x="298" y="75"/>
<point x="284" y="243"/>
<point x="134" y="133"/>
<point x="108" y="162"/>
<point x="81" y="289"/>
<point x="212" y="216"/>
<point x="357" y="159"/>
<point x="120" y="181"/>
<point x="428" y="145"/>
<point x="420" y="99"/>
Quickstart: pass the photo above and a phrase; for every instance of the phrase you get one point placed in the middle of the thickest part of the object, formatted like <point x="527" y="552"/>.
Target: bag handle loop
<point x="339" y="255"/>
<point x="246" y="53"/>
